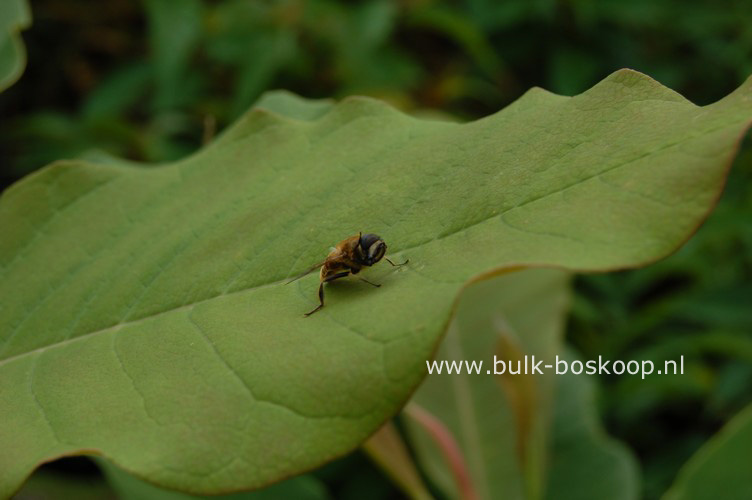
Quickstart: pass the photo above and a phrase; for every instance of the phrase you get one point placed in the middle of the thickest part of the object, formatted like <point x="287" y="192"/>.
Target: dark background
<point x="153" y="80"/>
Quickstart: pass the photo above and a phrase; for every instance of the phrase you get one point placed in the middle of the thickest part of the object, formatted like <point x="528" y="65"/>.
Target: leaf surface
<point x="144" y="316"/>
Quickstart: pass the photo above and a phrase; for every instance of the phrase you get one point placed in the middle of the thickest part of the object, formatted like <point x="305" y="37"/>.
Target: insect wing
<point x="306" y="272"/>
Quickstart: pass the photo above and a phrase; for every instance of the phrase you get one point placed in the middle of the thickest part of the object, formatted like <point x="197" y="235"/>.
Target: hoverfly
<point x="349" y="257"/>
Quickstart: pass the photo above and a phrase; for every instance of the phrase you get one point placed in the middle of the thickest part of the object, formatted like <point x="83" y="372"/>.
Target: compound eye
<point x="367" y="241"/>
<point x="376" y="252"/>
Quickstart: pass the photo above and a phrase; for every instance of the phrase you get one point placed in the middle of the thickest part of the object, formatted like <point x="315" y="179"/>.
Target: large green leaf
<point x="14" y="17"/>
<point x="721" y="466"/>
<point x="143" y="313"/>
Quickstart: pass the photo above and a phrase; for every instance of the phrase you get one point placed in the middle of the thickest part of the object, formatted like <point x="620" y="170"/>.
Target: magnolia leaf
<point x="144" y="315"/>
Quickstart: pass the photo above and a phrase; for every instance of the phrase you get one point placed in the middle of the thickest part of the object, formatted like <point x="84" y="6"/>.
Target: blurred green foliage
<point x="152" y="81"/>
<point x="147" y="80"/>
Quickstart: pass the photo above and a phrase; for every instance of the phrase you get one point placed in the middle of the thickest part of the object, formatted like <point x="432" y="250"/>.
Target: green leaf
<point x="388" y="450"/>
<point x="584" y="461"/>
<point x="14" y="17"/>
<point x="120" y="91"/>
<point x="500" y="422"/>
<point x="174" y="31"/>
<point x="721" y="465"/>
<point x="271" y="51"/>
<point x="144" y="316"/>
<point x="304" y="487"/>
<point x="519" y="436"/>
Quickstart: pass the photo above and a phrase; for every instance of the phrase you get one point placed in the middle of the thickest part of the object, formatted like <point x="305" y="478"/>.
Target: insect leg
<point x="397" y="265"/>
<point x="321" y="290"/>
<point x="374" y="284"/>
<point x="337" y="276"/>
<point x="321" y="300"/>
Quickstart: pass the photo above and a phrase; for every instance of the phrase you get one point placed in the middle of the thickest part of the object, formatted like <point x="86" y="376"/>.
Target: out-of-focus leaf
<point x="636" y="397"/>
<point x="269" y="53"/>
<point x="174" y="30"/>
<point x="561" y="77"/>
<point x="584" y="462"/>
<point x="356" y="37"/>
<point x="447" y="455"/>
<point x="462" y="32"/>
<point x="15" y="16"/>
<point x="387" y="449"/>
<point x="721" y="468"/>
<point x="497" y="446"/>
<point x="162" y="337"/>
<point x="502" y="421"/>
<point x="502" y="452"/>
<point x="118" y="93"/>
<point x="490" y="14"/>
